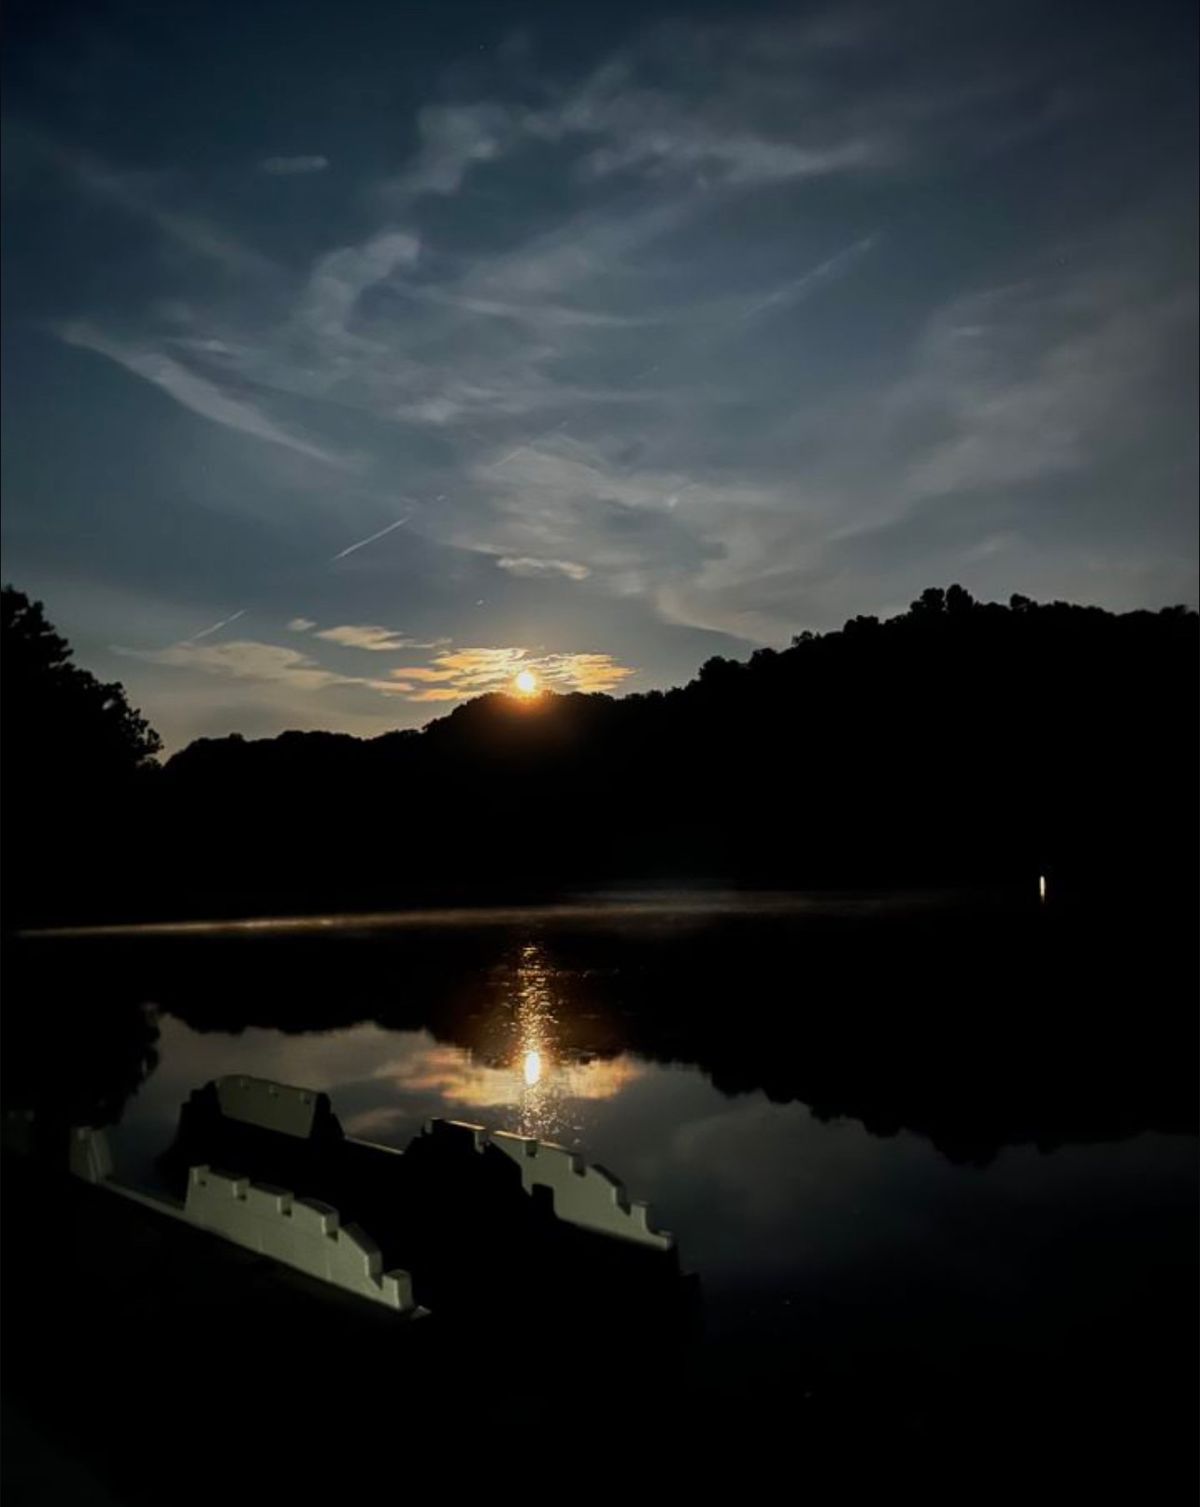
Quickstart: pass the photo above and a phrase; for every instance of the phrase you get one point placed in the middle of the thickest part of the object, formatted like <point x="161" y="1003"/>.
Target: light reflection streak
<point x="540" y="1098"/>
<point x="518" y="1067"/>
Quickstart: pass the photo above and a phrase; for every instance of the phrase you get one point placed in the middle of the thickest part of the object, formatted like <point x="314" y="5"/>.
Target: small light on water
<point x="1041" y="886"/>
<point x="533" y="1067"/>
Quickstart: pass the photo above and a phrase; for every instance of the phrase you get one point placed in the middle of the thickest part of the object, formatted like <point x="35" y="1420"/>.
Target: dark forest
<point x="958" y="743"/>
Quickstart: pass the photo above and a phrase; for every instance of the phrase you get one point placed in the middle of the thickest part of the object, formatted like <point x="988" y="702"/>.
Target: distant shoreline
<point x="597" y="906"/>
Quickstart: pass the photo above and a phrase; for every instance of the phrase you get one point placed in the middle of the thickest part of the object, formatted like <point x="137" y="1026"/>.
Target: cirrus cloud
<point x="376" y="639"/>
<point x="199" y="393"/>
<point x="526" y="565"/>
<point x="247" y="659"/>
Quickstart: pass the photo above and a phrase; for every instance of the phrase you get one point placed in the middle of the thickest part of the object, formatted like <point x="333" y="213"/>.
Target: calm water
<point x="915" y="1145"/>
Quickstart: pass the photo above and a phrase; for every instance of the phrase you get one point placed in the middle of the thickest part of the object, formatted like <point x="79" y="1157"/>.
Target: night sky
<point x="634" y="335"/>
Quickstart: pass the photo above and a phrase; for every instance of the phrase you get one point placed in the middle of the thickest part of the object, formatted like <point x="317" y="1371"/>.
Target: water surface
<point x="908" y="1145"/>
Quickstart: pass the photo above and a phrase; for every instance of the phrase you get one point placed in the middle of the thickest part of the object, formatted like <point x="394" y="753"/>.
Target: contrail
<point x="815" y="275"/>
<point x="370" y="539"/>
<point x="224" y="623"/>
<point x="504" y="459"/>
<point x="794" y="289"/>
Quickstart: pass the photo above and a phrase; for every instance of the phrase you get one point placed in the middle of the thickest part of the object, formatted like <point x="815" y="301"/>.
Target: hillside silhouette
<point x="957" y="743"/>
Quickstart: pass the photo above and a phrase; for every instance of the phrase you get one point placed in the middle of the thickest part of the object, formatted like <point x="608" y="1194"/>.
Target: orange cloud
<point x="459" y="673"/>
<point x="452" y="675"/>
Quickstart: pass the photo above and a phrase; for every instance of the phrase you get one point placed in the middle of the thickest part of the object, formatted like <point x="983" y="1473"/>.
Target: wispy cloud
<point x="291" y="167"/>
<point x="629" y="125"/>
<point x="378" y="640"/>
<point x="340" y="278"/>
<point x="142" y="197"/>
<point x="526" y="565"/>
<point x="248" y="659"/>
<point x="453" y="138"/>
<point x="630" y="525"/>
<point x="1006" y="390"/>
<point x="536" y="312"/>
<point x="301" y="624"/>
<point x="650" y="132"/>
<point x="797" y="288"/>
<point x="193" y="391"/>
<point x="1032" y="380"/>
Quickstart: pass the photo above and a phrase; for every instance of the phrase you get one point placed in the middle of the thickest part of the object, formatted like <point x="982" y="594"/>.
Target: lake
<point x="924" y="1152"/>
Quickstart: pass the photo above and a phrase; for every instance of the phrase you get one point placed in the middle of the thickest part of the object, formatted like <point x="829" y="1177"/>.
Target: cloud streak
<point x="340" y="278"/>
<point x="194" y="392"/>
<point x="524" y="565"/>
<point x="249" y="659"/>
<point x="374" y="639"/>
<point x="136" y="195"/>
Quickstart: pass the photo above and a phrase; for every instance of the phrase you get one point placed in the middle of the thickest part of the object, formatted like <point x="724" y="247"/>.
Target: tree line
<point x="957" y="742"/>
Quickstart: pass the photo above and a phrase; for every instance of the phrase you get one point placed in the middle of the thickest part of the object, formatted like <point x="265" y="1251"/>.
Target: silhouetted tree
<point x="959" y="600"/>
<point x="53" y="708"/>
<point x="74" y="753"/>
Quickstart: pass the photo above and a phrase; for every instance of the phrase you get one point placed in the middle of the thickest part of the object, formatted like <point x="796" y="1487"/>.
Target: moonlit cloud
<point x="340" y="278"/>
<point x="246" y="659"/>
<point x="1028" y="388"/>
<point x="461" y="673"/>
<point x="262" y="664"/>
<point x="524" y="565"/>
<point x="452" y="139"/>
<point x="364" y="636"/>
<point x="650" y="133"/>
<point x="195" y="392"/>
<point x="142" y="199"/>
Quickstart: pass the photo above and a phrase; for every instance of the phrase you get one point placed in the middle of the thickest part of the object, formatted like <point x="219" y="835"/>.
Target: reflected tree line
<point x="956" y="742"/>
<point x="975" y="1027"/>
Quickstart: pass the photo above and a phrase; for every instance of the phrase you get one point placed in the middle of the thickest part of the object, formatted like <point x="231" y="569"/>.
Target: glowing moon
<point x="526" y="683"/>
